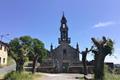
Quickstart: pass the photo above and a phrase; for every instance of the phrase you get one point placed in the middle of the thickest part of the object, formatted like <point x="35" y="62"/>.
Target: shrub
<point x="18" y="76"/>
<point x="109" y="75"/>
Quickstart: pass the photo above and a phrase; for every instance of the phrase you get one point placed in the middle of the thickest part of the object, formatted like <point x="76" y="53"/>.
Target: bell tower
<point x="64" y="31"/>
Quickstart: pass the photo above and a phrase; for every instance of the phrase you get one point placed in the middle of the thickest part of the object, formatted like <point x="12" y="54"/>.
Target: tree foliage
<point x="38" y="52"/>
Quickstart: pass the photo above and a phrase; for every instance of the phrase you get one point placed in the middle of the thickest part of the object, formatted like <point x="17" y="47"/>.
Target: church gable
<point x="66" y="52"/>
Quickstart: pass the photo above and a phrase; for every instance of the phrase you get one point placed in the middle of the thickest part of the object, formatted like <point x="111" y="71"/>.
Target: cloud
<point x="104" y="24"/>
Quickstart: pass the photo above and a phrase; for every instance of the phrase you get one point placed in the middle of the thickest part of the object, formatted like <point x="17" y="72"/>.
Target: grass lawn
<point x="109" y="76"/>
<point x="35" y="76"/>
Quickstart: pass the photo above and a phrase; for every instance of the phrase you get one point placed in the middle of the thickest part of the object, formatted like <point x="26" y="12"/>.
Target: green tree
<point x="102" y="49"/>
<point x="38" y="52"/>
<point x="19" y="48"/>
<point x="24" y="47"/>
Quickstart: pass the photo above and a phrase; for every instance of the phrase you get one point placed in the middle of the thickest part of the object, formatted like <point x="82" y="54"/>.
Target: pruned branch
<point x="95" y="42"/>
<point x="104" y="40"/>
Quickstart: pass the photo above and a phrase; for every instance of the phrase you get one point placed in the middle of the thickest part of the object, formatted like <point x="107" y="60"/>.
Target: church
<point x="64" y="57"/>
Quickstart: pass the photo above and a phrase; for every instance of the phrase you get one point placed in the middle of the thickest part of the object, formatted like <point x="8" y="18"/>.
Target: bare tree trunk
<point x="85" y="68"/>
<point x="34" y="64"/>
<point x="99" y="67"/>
<point x="19" y="65"/>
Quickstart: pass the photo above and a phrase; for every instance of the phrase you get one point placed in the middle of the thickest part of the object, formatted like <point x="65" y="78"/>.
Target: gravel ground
<point x="61" y="76"/>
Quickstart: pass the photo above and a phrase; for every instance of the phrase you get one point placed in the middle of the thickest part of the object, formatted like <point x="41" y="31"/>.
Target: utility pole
<point x="3" y="35"/>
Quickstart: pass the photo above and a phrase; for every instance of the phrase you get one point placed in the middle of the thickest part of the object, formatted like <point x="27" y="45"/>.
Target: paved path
<point x="7" y="69"/>
<point x="62" y="76"/>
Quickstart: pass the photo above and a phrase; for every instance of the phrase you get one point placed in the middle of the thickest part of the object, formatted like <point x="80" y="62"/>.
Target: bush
<point x="18" y="76"/>
<point x="109" y="75"/>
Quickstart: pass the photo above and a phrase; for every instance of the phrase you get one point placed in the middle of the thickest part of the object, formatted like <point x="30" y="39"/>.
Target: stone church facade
<point x="64" y="57"/>
<point x="64" y="54"/>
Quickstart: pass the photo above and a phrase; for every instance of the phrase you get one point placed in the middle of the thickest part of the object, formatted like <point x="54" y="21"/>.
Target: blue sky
<point x="41" y="19"/>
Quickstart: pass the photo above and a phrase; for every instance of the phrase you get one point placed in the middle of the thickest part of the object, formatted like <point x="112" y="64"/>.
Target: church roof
<point x="63" y="20"/>
<point x="5" y="44"/>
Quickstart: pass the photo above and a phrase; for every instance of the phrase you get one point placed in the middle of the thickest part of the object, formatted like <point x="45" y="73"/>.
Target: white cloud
<point x="104" y="24"/>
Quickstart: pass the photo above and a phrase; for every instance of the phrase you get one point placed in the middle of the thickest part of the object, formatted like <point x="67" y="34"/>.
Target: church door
<point x="65" y="67"/>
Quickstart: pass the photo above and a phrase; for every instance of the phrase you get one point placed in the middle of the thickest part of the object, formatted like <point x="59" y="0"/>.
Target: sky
<point x="41" y="19"/>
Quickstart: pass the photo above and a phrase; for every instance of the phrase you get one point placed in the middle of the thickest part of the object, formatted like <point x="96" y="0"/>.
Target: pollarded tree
<point x="102" y="49"/>
<point x="84" y="55"/>
<point x="38" y="52"/>
<point x="18" y="49"/>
